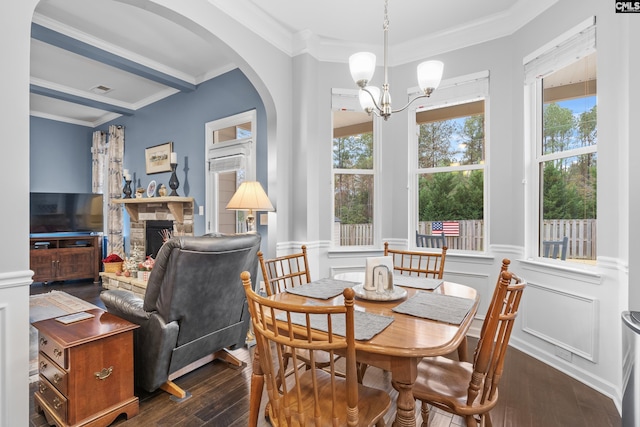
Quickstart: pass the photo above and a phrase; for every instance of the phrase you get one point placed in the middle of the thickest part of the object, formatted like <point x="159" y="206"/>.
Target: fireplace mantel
<point x="176" y="205"/>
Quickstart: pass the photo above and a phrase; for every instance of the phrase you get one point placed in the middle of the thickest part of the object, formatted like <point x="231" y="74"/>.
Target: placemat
<point x="427" y="283"/>
<point x="443" y="308"/>
<point x="323" y="289"/>
<point x="367" y="325"/>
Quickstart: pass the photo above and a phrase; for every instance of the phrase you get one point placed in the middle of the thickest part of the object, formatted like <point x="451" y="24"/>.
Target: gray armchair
<point x="194" y="307"/>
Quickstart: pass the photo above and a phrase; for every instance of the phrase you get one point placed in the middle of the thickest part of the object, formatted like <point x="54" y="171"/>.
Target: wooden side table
<point x="86" y="370"/>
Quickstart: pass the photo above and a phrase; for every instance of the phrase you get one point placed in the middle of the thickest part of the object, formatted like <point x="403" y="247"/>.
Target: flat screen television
<point x="75" y="213"/>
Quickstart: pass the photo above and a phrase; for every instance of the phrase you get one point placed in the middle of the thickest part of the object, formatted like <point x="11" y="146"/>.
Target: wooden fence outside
<point x="581" y="234"/>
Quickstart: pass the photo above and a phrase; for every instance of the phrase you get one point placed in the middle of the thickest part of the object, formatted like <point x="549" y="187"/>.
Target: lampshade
<point x="250" y="196"/>
<point x="429" y="75"/>
<point x="362" y="65"/>
<point x="365" y="99"/>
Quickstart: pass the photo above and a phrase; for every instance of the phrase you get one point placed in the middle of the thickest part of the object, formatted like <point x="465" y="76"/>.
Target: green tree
<point x="353" y="198"/>
<point x="434" y="142"/>
<point x="558" y="128"/>
<point x="473" y="138"/>
<point x="468" y="198"/>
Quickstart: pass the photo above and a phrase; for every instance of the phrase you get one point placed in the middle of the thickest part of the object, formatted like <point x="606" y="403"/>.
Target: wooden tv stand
<point x="66" y="257"/>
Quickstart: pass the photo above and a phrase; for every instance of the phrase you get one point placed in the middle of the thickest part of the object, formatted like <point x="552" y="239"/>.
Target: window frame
<point x="348" y="100"/>
<point x="455" y="91"/>
<point x="561" y="52"/>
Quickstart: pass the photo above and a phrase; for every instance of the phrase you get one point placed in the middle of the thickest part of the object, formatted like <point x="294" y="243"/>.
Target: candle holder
<point x="173" y="181"/>
<point x="127" y="189"/>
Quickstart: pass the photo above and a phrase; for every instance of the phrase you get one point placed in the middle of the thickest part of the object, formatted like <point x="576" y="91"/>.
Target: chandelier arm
<point x="375" y="103"/>
<point x="409" y="103"/>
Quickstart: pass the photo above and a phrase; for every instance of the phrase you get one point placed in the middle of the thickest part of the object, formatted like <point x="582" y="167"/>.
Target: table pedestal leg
<point x="257" y="383"/>
<point x="406" y="405"/>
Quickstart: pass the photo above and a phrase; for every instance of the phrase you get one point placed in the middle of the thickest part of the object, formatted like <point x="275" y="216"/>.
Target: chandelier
<point x="363" y="64"/>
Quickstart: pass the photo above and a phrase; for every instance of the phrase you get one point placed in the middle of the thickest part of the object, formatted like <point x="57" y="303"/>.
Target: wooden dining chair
<point x="285" y="271"/>
<point x="471" y="389"/>
<point x="422" y="264"/>
<point x="312" y="397"/>
<point x="417" y="263"/>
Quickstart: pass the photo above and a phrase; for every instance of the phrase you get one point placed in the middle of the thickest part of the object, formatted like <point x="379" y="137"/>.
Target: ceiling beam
<point x="78" y="47"/>
<point x="64" y="96"/>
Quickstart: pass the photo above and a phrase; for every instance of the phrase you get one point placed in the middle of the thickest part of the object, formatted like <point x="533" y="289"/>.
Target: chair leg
<point x="471" y="421"/>
<point x="362" y="368"/>
<point x="462" y="351"/>
<point x="173" y="389"/>
<point x="228" y="357"/>
<point x="424" y="410"/>
<point x="486" y="418"/>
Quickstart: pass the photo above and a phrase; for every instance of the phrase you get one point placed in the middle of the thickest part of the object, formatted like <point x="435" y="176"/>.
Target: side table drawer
<point x="52" y="372"/>
<point x="52" y="397"/>
<point x="54" y="350"/>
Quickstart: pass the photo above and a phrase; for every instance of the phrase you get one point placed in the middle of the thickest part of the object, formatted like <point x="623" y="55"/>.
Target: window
<point x="230" y="160"/>
<point x="354" y="173"/>
<point x="563" y="99"/>
<point x="448" y="184"/>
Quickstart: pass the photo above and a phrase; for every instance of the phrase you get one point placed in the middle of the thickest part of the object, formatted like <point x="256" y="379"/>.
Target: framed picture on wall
<point x="158" y="158"/>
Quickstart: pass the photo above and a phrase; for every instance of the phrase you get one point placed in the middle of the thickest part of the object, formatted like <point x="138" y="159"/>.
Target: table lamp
<point x="251" y="197"/>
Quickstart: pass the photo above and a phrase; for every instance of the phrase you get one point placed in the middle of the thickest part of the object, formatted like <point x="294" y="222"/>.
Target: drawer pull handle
<point x="42" y="388"/>
<point x="104" y="373"/>
<point x="43" y="366"/>
<point x="43" y="341"/>
<point x="57" y="352"/>
<point x="56" y="379"/>
<point x="56" y="403"/>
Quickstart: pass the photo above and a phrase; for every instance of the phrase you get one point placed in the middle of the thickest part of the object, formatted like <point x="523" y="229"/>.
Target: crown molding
<point x="63" y="119"/>
<point x="257" y="21"/>
<point x="330" y="50"/>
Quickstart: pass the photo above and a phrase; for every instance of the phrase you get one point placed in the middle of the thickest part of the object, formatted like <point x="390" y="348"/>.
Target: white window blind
<point x="345" y="100"/>
<point x="562" y="51"/>
<point x="226" y="164"/>
<point x="454" y="91"/>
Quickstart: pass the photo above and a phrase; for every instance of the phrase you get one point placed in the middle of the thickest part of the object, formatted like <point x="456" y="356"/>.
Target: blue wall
<point x="61" y="155"/>
<point x="181" y="119"/>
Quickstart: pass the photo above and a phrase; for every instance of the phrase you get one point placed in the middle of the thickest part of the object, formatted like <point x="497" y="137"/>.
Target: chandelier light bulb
<point x="362" y="65"/>
<point x="429" y="75"/>
<point x="367" y="100"/>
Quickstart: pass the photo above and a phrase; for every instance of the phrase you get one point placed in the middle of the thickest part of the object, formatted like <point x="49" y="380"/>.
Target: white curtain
<point x="98" y="161"/>
<point x="115" y="148"/>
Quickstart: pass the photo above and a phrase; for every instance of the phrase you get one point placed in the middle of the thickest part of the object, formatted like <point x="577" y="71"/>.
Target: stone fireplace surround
<point x="176" y="209"/>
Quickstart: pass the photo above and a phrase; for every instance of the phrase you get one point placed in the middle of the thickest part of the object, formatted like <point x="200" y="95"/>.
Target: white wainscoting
<point x="546" y="308"/>
<point x="4" y="401"/>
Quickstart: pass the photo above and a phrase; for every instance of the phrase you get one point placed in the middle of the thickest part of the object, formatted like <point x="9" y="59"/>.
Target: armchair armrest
<point x="126" y="305"/>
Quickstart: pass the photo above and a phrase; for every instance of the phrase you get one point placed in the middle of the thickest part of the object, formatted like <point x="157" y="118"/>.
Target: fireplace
<point x="153" y="235"/>
<point x="174" y="213"/>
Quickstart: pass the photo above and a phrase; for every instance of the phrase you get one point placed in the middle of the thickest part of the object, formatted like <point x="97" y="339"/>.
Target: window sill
<point x="589" y="274"/>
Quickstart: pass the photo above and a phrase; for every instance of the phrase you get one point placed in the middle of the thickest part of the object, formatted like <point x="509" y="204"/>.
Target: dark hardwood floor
<point x="532" y="394"/>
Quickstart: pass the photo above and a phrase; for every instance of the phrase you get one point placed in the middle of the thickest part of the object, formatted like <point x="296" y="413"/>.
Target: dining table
<point x="399" y="347"/>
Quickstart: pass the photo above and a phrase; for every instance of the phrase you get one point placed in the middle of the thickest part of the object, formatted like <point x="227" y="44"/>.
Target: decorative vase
<point x="143" y="275"/>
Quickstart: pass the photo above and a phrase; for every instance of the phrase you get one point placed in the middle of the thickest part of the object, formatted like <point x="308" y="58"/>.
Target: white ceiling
<point x="130" y="39"/>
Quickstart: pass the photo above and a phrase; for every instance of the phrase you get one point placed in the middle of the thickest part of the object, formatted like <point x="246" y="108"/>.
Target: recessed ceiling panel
<point x="65" y="68"/>
<point x="43" y="106"/>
